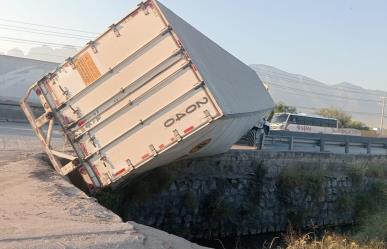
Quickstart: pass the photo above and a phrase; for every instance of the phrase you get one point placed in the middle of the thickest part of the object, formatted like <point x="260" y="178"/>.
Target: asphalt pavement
<point x="19" y="130"/>
<point x="16" y="129"/>
<point x="20" y="137"/>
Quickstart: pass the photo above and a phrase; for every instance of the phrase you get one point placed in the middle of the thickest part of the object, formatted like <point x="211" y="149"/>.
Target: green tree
<point x="345" y="120"/>
<point x="358" y="125"/>
<point x="331" y="112"/>
<point x="282" y="108"/>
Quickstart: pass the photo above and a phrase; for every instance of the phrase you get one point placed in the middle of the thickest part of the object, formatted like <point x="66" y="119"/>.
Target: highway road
<point x="21" y="134"/>
<point x="16" y="129"/>
<point x="19" y="129"/>
<point x="310" y="142"/>
<point x="20" y="137"/>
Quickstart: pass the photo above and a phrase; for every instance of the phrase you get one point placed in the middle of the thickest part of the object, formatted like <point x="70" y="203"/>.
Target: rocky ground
<point x="40" y="209"/>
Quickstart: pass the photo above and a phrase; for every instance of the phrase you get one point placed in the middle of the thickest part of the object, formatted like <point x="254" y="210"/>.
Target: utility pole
<point x="382" y="117"/>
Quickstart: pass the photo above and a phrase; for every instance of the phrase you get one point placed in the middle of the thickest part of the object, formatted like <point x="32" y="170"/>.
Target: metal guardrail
<point x="16" y="103"/>
<point x="311" y="142"/>
<point x="10" y="111"/>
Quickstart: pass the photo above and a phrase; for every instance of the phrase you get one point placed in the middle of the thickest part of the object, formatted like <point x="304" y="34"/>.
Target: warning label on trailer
<point x="87" y="68"/>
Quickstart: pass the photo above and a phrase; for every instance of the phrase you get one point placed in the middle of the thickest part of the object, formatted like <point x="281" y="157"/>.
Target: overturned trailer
<point x="150" y="90"/>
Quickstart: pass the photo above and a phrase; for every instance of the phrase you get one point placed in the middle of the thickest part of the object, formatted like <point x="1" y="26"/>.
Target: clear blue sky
<point x="329" y="40"/>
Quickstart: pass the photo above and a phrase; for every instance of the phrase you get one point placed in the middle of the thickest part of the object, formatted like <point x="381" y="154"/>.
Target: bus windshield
<point x="280" y="118"/>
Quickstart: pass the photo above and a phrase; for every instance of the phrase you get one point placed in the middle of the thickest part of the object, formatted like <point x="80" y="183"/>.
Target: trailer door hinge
<point x="115" y="29"/>
<point x="70" y="61"/>
<point x="177" y="135"/>
<point x="167" y="30"/>
<point x="199" y="85"/>
<point x="64" y="91"/>
<point x="130" y="164"/>
<point x="144" y="8"/>
<point x="207" y="114"/>
<point x="92" y="46"/>
<point x="153" y="150"/>
<point x="76" y="111"/>
<point x="93" y="141"/>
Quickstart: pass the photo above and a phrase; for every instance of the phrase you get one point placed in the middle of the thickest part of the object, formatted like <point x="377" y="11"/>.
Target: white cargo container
<point x="150" y="90"/>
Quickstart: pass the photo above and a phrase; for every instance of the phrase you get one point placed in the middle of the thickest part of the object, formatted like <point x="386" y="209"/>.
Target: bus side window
<point x="325" y="123"/>
<point x="328" y="123"/>
<point x="311" y="121"/>
<point x="292" y="119"/>
<point x="317" y="122"/>
<point x="300" y="120"/>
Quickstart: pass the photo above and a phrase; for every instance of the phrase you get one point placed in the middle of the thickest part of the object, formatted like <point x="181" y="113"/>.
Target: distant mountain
<point x="309" y="95"/>
<point x="18" y="74"/>
<point x="347" y="85"/>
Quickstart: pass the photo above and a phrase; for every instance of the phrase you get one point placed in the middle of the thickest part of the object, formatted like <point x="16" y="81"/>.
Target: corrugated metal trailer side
<point x="131" y="100"/>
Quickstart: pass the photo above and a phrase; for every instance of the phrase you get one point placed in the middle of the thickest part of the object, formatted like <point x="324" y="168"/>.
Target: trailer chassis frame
<point x="48" y="119"/>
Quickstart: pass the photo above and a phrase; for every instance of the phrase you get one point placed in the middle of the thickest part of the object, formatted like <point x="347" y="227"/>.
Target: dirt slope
<point x="39" y="209"/>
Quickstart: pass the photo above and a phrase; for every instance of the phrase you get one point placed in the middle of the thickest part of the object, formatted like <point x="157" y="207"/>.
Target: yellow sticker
<point x="87" y="68"/>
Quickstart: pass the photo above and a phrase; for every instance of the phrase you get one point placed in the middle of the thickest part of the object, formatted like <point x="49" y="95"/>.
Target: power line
<point x="36" y="42"/>
<point x="41" y="33"/>
<point x="282" y="87"/>
<point x="49" y="26"/>
<point x="319" y="84"/>
<point x="4" y="26"/>
<point x="354" y="112"/>
<point x="34" y="58"/>
<point x="343" y="89"/>
<point x="382" y="114"/>
<point x="34" y="54"/>
<point x="320" y="94"/>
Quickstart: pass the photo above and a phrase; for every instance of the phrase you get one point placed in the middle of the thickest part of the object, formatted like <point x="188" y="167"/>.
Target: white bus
<point x="304" y="123"/>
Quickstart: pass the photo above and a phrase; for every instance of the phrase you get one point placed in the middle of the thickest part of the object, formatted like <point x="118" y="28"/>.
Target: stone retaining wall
<point x="251" y="192"/>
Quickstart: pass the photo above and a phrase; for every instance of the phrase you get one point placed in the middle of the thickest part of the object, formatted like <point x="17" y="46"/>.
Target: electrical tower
<point x="383" y="114"/>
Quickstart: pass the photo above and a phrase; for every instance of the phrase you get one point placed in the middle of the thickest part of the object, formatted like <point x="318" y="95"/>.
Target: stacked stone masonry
<point x="250" y="192"/>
